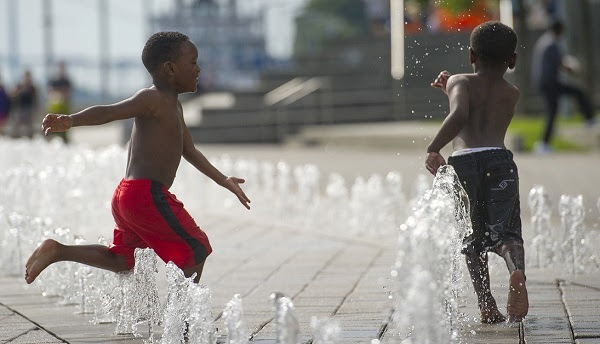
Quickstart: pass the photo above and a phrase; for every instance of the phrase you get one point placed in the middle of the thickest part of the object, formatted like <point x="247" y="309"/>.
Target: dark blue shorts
<point x="491" y="180"/>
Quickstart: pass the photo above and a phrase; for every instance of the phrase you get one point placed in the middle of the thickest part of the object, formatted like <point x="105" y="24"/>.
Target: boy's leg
<point x="480" y="276"/>
<point x="585" y="104"/>
<point x="51" y="251"/>
<point x="197" y="269"/>
<point x="518" y="300"/>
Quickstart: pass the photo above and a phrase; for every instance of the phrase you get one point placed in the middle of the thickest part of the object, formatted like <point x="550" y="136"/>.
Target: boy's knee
<point x="196" y="269"/>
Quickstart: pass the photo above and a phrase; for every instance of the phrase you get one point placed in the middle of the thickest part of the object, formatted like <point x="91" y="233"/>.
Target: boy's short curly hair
<point x="493" y="42"/>
<point x="162" y="47"/>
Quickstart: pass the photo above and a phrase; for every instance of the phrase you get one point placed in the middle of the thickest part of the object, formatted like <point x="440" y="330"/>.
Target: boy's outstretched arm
<point x="140" y="104"/>
<point x="458" y="96"/>
<point x="201" y="163"/>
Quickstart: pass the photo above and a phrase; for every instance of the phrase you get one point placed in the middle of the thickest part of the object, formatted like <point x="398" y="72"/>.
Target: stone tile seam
<point x="38" y="326"/>
<point x="559" y="285"/>
<point x="360" y="278"/>
<point x="237" y="266"/>
<point x="298" y="229"/>
<point x="329" y="262"/>
<point x="576" y="284"/>
<point x="256" y="286"/>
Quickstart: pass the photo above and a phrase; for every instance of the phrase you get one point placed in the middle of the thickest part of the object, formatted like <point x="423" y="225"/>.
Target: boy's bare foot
<point x="518" y="301"/>
<point x="43" y="256"/>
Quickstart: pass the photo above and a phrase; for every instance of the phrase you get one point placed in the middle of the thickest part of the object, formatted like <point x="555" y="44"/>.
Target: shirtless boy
<point x="482" y="105"/>
<point x="145" y="212"/>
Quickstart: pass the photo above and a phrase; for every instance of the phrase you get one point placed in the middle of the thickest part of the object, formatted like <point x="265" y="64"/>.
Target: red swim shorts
<point x="148" y="215"/>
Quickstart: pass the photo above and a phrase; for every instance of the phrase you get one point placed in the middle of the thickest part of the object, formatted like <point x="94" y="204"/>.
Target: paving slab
<point x="325" y="279"/>
<point x="336" y="274"/>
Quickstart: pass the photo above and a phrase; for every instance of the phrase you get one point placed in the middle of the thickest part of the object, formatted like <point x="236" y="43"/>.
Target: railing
<point x="294" y="90"/>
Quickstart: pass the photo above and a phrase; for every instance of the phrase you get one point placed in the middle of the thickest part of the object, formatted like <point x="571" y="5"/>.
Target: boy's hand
<point x="441" y="80"/>
<point x="54" y="123"/>
<point x="232" y="184"/>
<point x="434" y="161"/>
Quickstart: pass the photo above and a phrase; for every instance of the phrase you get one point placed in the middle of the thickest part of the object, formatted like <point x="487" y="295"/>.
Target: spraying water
<point x="427" y="271"/>
<point x="325" y="330"/>
<point x="288" y="330"/>
<point x="234" y="321"/>
<point x="44" y="199"/>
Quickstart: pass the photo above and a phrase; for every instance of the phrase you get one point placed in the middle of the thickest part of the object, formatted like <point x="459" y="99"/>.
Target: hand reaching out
<point x="434" y="161"/>
<point x="55" y="123"/>
<point x="232" y="184"/>
<point x="441" y="80"/>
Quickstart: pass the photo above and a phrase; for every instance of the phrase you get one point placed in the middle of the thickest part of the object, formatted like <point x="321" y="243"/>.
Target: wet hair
<point x="493" y="42"/>
<point x="162" y="47"/>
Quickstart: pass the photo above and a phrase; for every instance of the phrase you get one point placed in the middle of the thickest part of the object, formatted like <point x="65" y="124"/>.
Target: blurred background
<point x="300" y="71"/>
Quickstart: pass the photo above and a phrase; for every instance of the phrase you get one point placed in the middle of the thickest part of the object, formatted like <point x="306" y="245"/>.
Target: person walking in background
<point x="547" y="62"/>
<point x="4" y="106"/>
<point x="26" y="99"/>
<point x="59" y="95"/>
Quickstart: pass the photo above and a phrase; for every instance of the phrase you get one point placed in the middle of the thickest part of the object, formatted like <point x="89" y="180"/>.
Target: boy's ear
<point x="168" y="68"/>
<point x="471" y="55"/>
<point x="512" y="61"/>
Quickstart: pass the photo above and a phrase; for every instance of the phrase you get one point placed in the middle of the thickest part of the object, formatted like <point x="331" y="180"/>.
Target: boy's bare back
<point x="482" y="103"/>
<point x="491" y="102"/>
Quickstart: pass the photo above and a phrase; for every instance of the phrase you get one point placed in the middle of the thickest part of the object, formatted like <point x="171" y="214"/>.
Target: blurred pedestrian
<point x="547" y="63"/>
<point x="59" y="95"/>
<point x="25" y="98"/>
<point x="4" y="106"/>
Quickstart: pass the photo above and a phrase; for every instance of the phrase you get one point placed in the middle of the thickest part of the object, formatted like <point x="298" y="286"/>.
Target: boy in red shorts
<point x="145" y="212"/>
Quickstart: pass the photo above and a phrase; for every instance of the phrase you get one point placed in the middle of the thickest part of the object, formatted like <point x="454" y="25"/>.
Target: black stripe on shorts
<point x="162" y="205"/>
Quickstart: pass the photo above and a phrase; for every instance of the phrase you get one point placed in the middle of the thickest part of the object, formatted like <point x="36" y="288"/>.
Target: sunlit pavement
<point x="325" y="275"/>
<point x="340" y="275"/>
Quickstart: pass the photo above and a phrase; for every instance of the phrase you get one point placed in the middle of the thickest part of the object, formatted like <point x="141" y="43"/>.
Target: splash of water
<point x="102" y="291"/>
<point x="174" y="318"/>
<point x="199" y="317"/>
<point x="187" y="310"/>
<point x="543" y="247"/>
<point x="234" y="321"/>
<point x="84" y="275"/>
<point x="124" y="298"/>
<point x="428" y="274"/>
<point x="145" y="301"/>
<point x="288" y="329"/>
<point x="325" y="330"/>
<point x="572" y="214"/>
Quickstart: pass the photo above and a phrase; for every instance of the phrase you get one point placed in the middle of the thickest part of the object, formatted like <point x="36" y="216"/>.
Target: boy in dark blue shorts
<point x="482" y="105"/>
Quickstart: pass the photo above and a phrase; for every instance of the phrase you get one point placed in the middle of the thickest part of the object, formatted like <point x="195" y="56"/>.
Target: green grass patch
<point x="531" y="129"/>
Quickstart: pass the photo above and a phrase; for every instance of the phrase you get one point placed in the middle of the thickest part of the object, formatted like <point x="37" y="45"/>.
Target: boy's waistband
<point x="137" y="183"/>
<point x="473" y="150"/>
<point x="483" y="154"/>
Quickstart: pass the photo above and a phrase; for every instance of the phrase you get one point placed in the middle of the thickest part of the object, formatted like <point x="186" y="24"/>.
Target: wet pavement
<point x="335" y="275"/>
